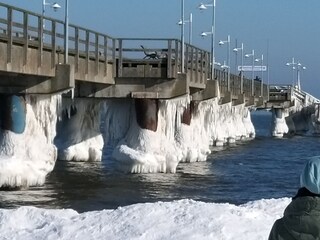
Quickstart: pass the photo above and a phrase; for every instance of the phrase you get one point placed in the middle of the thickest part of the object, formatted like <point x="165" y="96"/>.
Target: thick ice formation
<point x="177" y="220"/>
<point x="279" y="124"/>
<point x="79" y="137"/>
<point x="302" y="118"/>
<point x="142" y="151"/>
<point x="26" y="159"/>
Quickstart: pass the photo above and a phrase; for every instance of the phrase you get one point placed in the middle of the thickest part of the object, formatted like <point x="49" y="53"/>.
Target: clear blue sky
<point x="291" y="27"/>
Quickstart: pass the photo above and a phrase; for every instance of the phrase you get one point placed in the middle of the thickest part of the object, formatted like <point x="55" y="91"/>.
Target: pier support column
<point x="147" y="113"/>
<point x="187" y="113"/>
<point x="12" y="113"/>
<point x="279" y="125"/>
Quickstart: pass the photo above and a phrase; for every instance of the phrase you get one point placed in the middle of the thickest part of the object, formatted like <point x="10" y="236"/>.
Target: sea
<point x="263" y="168"/>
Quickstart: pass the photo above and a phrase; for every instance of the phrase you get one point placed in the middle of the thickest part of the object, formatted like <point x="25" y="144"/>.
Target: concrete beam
<point x="211" y="91"/>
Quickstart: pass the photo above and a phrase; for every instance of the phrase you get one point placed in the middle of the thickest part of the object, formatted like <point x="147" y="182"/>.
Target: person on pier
<point x="301" y="219"/>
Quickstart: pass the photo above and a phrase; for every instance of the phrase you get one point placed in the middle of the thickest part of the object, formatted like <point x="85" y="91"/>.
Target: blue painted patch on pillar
<point x="13" y="113"/>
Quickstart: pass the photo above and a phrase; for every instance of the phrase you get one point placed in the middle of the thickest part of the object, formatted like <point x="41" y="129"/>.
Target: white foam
<point x="25" y="159"/>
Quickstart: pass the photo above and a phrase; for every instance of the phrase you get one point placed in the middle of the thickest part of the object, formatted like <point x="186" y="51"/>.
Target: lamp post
<point x="222" y="42"/>
<point x="296" y="66"/>
<point x="261" y="65"/>
<point x="241" y="71"/>
<point x="299" y="68"/>
<point x="182" y="37"/>
<point x="213" y="27"/>
<point x="66" y="32"/>
<point x="252" y="83"/>
<point x="293" y="64"/>
<point x="190" y="26"/>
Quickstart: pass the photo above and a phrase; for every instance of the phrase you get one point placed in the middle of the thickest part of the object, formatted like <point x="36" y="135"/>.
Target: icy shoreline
<point x="183" y="219"/>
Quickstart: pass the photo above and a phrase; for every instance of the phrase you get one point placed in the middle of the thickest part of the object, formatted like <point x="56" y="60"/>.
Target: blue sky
<point x="290" y="26"/>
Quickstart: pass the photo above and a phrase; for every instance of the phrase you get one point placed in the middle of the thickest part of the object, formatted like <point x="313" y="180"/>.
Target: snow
<point x="181" y="219"/>
<point x="143" y="151"/>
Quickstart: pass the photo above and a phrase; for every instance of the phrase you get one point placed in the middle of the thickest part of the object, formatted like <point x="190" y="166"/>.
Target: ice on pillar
<point x="279" y="125"/>
<point x="78" y="132"/>
<point x="27" y="153"/>
<point x="183" y="133"/>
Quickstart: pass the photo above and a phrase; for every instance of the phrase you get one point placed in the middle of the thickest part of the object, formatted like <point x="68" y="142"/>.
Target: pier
<point x="41" y="82"/>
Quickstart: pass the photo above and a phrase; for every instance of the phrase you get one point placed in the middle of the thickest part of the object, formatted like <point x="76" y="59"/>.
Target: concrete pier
<point x="147" y="113"/>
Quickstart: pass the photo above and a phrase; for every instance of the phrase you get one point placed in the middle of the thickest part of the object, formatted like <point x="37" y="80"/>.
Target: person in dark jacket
<point x="301" y="218"/>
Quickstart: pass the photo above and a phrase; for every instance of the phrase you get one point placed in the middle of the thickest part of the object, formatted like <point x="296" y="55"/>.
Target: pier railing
<point x="34" y="44"/>
<point x="91" y="53"/>
<point x="161" y="58"/>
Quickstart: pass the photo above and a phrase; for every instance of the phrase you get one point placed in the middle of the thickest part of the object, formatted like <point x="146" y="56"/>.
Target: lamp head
<point x="304" y="68"/>
<point x="56" y="7"/>
<point x="180" y="22"/>
<point x="202" y="6"/>
<point x="203" y="34"/>
<point x="247" y="55"/>
<point x="287" y="64"/>
<point x="235" y="50"/>
<point x="221" y="42"/>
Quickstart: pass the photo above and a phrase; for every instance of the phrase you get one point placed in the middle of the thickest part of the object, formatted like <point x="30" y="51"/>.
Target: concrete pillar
<point x="12" y="113"/>
<point x="186" y="116"/>
<point x="147" y="113"/>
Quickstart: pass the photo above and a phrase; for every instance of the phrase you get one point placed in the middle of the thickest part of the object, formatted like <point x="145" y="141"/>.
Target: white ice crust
<point x="79" y="137"/>
<point x="177" y="220"/>
<point x="26" y="159"/>
<point x="143" y="151"/>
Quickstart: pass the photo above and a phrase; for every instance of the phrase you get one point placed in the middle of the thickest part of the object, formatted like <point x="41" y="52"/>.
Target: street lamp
<point x="55" y="7"/>
<point x="296" y="66"/>
<point x="190" y="26"/>
<point x="252" y="83"/>
<point x="261" y="66"/>
<point x="241" y="70"/>
<point x="293" y="64"/>
<point x="182" y="36"/>
<point x="299" y="68"/>
<point x="213" y="27"/>
<point x="222" y="42"/>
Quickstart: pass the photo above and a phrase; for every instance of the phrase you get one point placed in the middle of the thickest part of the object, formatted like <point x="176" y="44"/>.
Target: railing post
<point x="76" y="45"/>
<point x="186" y="58"/>
<point x="40" y="40"/>
<point x="9" y="32"/>
<point x="169" y="59"/>
<point x="114" y="60"/>
<point x="192" y="64"/>
<point x="53" y="43"/>
<point x="25" y="38"/>
<point x="120" y="59"/>
<point x="87" y="50"/>
<point x="105" y="55"/>
<point x="176" y="66"/>
<point x="97" y="55"/>
<point x="197" y="65"/>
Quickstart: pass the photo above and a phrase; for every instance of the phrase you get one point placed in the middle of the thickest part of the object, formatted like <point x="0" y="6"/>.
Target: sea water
<point x="260" y="169"/>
